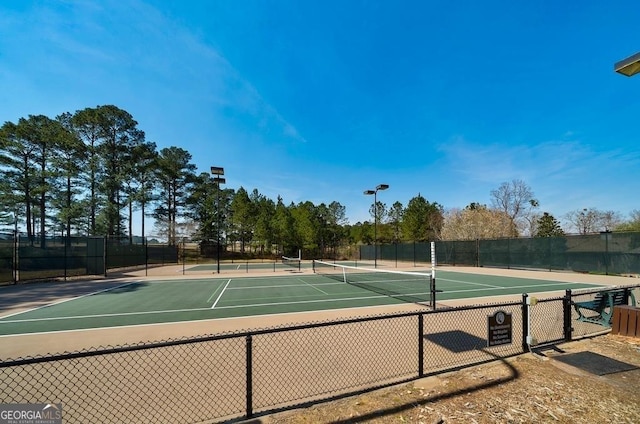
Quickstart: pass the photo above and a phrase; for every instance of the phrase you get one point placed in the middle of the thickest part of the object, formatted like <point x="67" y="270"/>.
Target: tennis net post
<point x="293" y="262"/>
<point x="432" y="282"/>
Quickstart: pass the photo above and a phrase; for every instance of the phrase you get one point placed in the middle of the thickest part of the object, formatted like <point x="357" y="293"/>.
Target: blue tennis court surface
<point x="150" y="302"/>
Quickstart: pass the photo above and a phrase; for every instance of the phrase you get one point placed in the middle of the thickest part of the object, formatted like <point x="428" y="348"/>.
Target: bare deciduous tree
<point x="610" y="220"/>
<point x="515" y="199"/>
<point x="476" y="222"/>
<point x="592" y="220"/>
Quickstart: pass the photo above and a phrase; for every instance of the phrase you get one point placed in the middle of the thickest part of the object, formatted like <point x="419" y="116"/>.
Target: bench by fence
<point x="600" y="309"/>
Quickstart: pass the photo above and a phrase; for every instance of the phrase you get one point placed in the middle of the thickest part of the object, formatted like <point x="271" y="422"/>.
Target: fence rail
<point x="239" y="375"/>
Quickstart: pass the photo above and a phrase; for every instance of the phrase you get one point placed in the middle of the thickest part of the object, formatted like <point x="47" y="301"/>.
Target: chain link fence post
<point x="249" y="370"/>
<point x="420" y="346"/>
<point x="525" y="322"/>
<point x="566" y="308"/>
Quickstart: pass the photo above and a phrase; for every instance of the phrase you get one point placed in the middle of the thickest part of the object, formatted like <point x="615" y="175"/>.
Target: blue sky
<point x="321" y="100"/>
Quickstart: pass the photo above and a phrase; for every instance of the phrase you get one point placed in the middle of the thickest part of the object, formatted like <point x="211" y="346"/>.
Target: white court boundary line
<point x="117" y="327"/>
<point x="275" y="286"/>
<point x="178" y="310"/>
<point x="3" y="321"/>
<point x="120" y="314"/>
<point x="314" y="287"/>
<point x="319" y="301"/>
<point x="66" y="300"/>
<point x="221" y="293"/>
<point x="544" y="283"/>
<point x="214" y="292"/>
<point x="466" y="282"/>
<point x="504" y="288"/>
<point x="184" y="310"/>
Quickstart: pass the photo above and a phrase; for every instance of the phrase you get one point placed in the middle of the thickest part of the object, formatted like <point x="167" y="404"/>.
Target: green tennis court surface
<point x="150" y="302"/>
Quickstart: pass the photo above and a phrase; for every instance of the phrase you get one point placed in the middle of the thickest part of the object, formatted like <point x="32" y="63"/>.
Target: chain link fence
<point x="240" y="375"/>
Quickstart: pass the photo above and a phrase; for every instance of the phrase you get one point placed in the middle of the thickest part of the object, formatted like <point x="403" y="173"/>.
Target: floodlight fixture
<point x="217" y="171"/>
<point x="379" y="187"/>
<point x="629" y="66"/>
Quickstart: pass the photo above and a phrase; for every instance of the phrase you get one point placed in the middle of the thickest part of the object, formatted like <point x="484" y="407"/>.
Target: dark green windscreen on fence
<point x="366" y="253"/>
<point x="6" y="257"/>
<point x="95" y="256"/>
<point x="457" y="252"/>
<point x="25" y="258"/>
<point x="386" y="251"/>
<point x="122" y="255"/>
<point x="50" y="257"/>
<point x="606" y="253"/>
<point x="160" y="254"/>
<point x="418" y="253"/>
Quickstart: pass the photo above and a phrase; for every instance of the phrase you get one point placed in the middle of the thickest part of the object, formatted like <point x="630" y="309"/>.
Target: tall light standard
<point x="380" y="187"/>
<point x="217" y="171"/>
<point x="629" y="66"/>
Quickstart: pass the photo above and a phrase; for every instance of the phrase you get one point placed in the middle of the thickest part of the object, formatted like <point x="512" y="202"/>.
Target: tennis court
<point x="125" y="344"/>
<point x="147" y="301"/>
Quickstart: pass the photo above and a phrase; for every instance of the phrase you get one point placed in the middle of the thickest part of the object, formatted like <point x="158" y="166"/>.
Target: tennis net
<point x="415" y="287"/>
<point x="291" y="262"/>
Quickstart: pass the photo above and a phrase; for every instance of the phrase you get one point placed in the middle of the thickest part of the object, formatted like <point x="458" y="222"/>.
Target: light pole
<point x="217" y="171"/>
<point x="380" y="187"/>
<point x="629" y="66"/>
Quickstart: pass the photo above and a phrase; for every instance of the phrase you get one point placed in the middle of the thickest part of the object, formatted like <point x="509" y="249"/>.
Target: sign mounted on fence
<point x="499" y="329"/>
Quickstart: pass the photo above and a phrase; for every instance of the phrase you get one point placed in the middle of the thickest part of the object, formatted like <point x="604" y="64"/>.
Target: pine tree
<point x="548" y="226"/>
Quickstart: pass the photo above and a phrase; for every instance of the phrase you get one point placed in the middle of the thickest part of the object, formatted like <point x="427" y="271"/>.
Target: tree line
<point x="89" y="172"/>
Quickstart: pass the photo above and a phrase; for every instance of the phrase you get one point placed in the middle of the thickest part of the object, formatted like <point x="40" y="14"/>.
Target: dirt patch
<point x="525" y="389"/>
